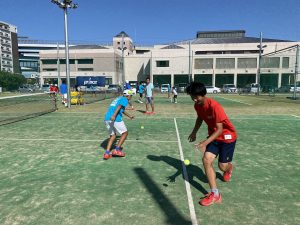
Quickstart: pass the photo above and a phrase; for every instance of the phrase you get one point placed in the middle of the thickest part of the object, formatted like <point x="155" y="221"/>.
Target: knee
<point x="206" y="161"/>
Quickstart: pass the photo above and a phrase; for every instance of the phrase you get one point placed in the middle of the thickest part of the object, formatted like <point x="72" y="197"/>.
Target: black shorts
<point x="224" y="150"/>
<point x="175" y="96"/>
<point x="141" y="95"/>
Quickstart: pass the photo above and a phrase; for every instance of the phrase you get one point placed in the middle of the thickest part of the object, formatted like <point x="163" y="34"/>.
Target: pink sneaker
<point x="210" y="199"/>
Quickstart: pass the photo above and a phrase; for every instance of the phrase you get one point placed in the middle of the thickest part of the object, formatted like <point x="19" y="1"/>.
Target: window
<point x="85" y="69"/>
<point x="225" y="63"/>
<point x="247" y="63"/>
<point x="163" y="63"/>
<point x="270" y="62"/>
<point x="49" y="61"/>
<point x="108" y="80"/>
<point x="285" y="62"/>
<point x="49" y="69"/>
<point x="204" y="63"/>
<point x="85" y="61"/>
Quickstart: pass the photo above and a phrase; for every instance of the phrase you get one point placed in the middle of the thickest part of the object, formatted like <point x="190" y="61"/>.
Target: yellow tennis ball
<point x="142" y="127"/>
<point x="186" y="162"/>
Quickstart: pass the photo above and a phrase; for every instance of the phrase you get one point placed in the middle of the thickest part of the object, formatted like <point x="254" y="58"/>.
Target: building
<point x="222" y="57"/>
<point x="213" y="57"/>
<point x="29" y="58"/>
<point x="9" y="57"/>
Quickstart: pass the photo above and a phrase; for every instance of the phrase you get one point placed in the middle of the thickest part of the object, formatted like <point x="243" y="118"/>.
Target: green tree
<point x="11" y="81"/>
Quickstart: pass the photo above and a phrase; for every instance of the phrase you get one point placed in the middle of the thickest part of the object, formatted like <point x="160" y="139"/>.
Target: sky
<point x="150" y="22"/>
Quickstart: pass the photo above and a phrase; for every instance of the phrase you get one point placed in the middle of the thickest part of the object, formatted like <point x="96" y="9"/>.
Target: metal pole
<point x="58" y="67"/>
<point x="296" y="72"/>
<point x="190" y="66"/>
<point x="259" y="64"/>
<point x="67" y="57"/>
<point x="122" y="48"/>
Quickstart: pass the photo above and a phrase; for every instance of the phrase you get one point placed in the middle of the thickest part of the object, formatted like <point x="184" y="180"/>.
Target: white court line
<point x="187" y="184"/>
<point x="78" y="140"/>
<point x="235" y="100"/>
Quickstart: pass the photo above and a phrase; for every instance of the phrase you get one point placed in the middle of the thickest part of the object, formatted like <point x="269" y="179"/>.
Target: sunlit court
<point x="52" y="171"/>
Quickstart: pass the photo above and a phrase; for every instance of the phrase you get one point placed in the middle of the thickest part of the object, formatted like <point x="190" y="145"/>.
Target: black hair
<point x="148" y="78"/>
<point x="196" y="89"/>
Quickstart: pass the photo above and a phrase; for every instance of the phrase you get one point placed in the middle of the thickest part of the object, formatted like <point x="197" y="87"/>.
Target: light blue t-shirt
<point x="141" y="89"/>
<point x="149" y="88"/>
<point x="113" y="106"/>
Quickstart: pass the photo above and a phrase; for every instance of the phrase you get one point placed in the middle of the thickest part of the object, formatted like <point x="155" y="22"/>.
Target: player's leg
<point x="147" y="105"/>
<point x="110" y="127"/>
<point x="122" y="129"/>
<point x="152" y="105"/>
<point x="210" y="154"/>
<point x="225" y="160"/>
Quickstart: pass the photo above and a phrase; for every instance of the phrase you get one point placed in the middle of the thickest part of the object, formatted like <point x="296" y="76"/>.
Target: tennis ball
<point x="142" y="127"/>
<point x="186" y="162"/>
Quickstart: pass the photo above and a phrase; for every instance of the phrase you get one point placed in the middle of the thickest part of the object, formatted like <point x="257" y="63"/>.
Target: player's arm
<point x="197" y="126"/>
<point x="128" y="115"/>
<point x="202" y="145"/>
<point x="113" y="117"/>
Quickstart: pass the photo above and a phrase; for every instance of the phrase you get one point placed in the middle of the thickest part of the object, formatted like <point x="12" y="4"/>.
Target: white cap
<point x="127" y="92"/>
<point x="126" y="81"/>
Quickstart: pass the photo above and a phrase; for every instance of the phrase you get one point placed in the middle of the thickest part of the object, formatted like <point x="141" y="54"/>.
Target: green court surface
<point x="52" y="171"/>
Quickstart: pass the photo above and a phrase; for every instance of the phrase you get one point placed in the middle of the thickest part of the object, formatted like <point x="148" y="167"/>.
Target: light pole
<point x="65" y="4"/>
<point x="260" y="46"/>
<point x="122" y="49"/>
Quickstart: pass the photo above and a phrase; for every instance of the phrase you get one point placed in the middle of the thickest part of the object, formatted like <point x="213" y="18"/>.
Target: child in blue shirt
<point x="141" y="91"/>
<point x="114" y="123"/>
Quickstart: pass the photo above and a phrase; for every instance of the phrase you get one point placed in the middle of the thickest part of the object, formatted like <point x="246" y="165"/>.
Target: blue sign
<point x="90" y="81"/>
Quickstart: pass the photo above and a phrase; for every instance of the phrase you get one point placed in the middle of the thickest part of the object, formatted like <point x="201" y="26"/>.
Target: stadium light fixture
<point x="260" y="46"/>
<point x="65" y="4"/>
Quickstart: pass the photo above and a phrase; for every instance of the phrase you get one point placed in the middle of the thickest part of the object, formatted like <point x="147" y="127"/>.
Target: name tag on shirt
<point x="227" y="137"/>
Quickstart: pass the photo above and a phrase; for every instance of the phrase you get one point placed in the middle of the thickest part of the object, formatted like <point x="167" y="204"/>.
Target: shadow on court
<point x="172" y="214"/>
<point x="193" y="172"/>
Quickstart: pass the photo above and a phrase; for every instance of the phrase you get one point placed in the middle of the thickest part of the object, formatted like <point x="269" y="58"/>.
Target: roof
<point x="227" y="40"/>
<point x="172" y="46"/>
<point x="122" y="33"/>
<point x="87" y="47"/>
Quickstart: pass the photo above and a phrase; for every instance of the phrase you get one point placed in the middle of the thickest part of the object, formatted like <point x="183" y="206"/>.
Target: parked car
<point x="26" y="88"/>
<point x="293" y="88"/>
<point x="156" y="87"/>
<point x="181" y="87"/>
<point x="164" y="88"/>
<point x="229" y="88"/>
<point x="212" y="89"/>
<point x="45" y="87"/>
<point x="285" y="88"/>
<point x="114" y="88"/>
<point x="267" y="88"/>
<point x="249" y="88"/>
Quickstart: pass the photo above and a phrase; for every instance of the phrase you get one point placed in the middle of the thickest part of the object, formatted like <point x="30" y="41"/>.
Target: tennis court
<point x="52" y="171"/>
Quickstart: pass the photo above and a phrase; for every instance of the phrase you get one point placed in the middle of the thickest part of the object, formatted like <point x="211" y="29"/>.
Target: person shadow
<point x="105" y="142"/>
<point x="194" y="172"/>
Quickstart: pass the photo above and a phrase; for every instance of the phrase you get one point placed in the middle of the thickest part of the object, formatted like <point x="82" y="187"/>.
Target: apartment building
<point x="9" y="57"/>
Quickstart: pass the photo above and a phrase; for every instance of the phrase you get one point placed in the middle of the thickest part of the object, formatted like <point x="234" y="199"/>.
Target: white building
<point x="214" y="58"/>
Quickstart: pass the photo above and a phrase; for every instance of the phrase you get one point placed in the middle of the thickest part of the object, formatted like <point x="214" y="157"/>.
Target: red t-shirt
<point x="212" y="113"/>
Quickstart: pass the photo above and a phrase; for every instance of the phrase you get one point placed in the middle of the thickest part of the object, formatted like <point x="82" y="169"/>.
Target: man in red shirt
<point x="220" y="141"/>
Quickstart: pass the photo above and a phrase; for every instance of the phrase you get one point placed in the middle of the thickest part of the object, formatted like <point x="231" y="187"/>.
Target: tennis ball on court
<point x="142" y="127"/>
<point x="186" y="162"/>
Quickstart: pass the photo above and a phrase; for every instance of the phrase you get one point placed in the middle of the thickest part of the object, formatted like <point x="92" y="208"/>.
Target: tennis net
<point x="16" y="108"/>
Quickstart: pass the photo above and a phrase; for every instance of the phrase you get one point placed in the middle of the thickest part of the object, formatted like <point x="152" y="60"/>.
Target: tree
<point x="11" y="81"/>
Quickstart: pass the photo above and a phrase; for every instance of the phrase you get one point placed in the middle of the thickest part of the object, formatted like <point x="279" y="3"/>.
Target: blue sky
<point x="153" y="21"/>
